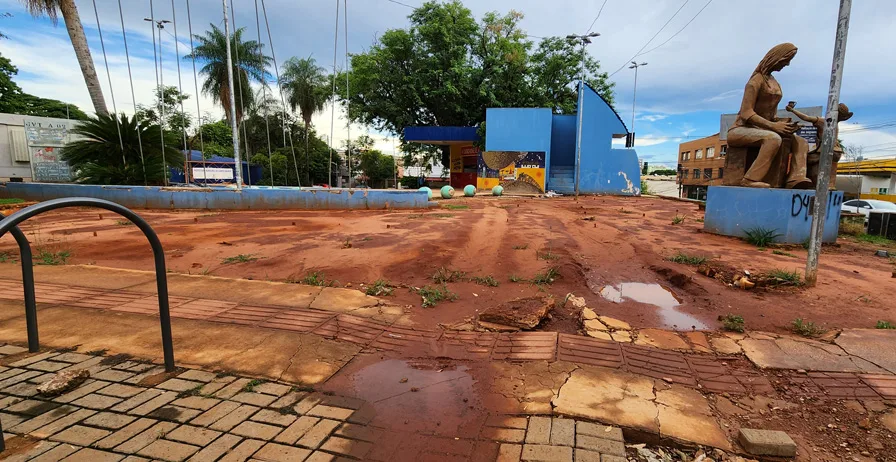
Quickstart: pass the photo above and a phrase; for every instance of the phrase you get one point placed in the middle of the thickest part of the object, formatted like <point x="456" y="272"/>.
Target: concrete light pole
<point x="160" y="77"/>
<point x="585" y="39"/>
<point x="819" y="212"/>
<point x="233" y="124"/>
<point x="634" y="66"/>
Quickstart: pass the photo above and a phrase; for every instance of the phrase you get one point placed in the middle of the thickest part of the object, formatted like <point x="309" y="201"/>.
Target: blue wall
<point x="732" y="210"/>
<point x="157" y="197"/>
<point x="517" y="129"/>
<point x="563" y="140"/>
<point x="605" y="170"/>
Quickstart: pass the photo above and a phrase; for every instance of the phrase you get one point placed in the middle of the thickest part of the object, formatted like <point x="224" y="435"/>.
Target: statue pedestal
<point x="740" y="159"/>
<point x="730" y="211"/>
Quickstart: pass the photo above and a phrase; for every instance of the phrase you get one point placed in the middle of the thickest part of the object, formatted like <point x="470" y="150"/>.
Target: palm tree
<point x="97" y="157"/>
<point x="212" y="50"/>
<point x="79" y="42"/>
<point x="306" y="87"/>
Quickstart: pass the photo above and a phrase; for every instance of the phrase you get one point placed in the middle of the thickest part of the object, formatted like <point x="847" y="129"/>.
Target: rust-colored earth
<point x="627" y="241"/>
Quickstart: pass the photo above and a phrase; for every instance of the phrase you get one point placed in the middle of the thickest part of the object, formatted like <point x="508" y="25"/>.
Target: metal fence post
<point x="27" y="262"/>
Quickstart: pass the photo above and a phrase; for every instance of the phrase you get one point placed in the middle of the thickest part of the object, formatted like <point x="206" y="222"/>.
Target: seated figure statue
<point x="757" y="124"/>
<point x="815" y="156"/>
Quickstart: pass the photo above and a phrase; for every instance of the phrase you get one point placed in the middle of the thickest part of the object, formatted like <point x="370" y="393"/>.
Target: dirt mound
<point x="522" y="313"/>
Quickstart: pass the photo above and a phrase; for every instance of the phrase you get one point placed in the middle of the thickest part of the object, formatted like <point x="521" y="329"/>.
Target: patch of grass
<point x="380" y="287"/>
<point x="303" y="388"/>
<point x="515" y="278"/>
<point x="315" y="278"/>
<point x="250" y="387"/>
<point x="885" y="325"/>
<point x="686" y="259"/>
<point x="547" y="277"/>
<point x="679" y="219"/>
<point x="851" y="228"/>
<point x="46" y="257"/>
<point x="124" y="223"/>
<point x="456" y="207"/>
<point x="785" y="278"/>
<point x="876" y="240"/>
<point x="443" y="275"/>
<point x="733" y="323"/>
<point x="241" y="258"/>
<point x="7" y="257"/>
<point x="550" y="256"/>
<point x="761" y="237"/>
<point x="521" y="247"/>
<point x="699" y="220"/>
<point x="781" y="252"/>
<point x="489" y="281"/>
<point x="761" y="249"/>
<point x="195" y="391"/>
<point x="11" y="201"/>
<point x="806" y="328"/>
<point x="433" y="295"/>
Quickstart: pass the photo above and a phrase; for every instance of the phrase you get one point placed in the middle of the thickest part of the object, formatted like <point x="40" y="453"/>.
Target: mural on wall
<point x="518" y="172"/>
<point x="46" y="138"/>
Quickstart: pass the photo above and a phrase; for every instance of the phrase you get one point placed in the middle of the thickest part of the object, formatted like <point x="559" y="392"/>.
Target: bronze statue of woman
<point x="757" y="123"/>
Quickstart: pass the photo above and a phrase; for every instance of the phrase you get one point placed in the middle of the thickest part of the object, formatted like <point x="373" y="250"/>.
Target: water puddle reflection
<point x="656" y="295"/>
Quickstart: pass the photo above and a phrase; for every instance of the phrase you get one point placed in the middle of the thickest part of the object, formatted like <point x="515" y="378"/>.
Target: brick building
<point x="701" y="163"/>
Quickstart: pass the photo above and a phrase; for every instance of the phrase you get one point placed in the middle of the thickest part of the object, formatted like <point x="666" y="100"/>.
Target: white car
<point x="866" y="206"/>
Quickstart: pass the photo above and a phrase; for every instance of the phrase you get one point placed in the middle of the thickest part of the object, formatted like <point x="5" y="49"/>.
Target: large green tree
<point x="15" y="101"/>
<point x="171" y="100"/>
<point x="376" y="168"/>
<point x="305" y="84"/>
<point x="69" y="11"/>
<point x="447" y="68"/>
<point x="211" y="50"/>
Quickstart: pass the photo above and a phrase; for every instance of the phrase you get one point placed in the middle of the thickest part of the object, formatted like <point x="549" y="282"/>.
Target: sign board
<point x="212" y="173"/>
<point x="516" y="171"/>
<point x="46" y="139"/>
<point x="727" y="121"/>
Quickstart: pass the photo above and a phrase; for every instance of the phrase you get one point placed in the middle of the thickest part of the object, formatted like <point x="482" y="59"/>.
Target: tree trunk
<point x="82" y="52"/>
<point x="307" y="156"/>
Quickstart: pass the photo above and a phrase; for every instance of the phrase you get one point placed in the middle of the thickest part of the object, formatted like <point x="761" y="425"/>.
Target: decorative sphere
<point x="498" y="190"/>
<point x="447" y="192"/>
<point x="427" y="191"/>
<point x="469" y="190"/>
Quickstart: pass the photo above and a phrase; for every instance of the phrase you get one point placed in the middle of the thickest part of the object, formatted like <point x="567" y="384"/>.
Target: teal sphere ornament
<point x="498" y="190"/>
<point x="469" y="190"/>
<point x="447" y="192"/>
<point x="427" y="191"/>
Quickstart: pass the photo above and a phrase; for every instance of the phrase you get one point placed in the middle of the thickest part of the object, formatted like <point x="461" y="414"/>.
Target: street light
<point x="160" y="77"/>
<point x="585" y="39"/>
<point x="634" y="66"/>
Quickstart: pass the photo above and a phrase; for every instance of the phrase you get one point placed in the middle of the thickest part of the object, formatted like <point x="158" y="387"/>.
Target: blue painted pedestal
<point x="731" y="210"/>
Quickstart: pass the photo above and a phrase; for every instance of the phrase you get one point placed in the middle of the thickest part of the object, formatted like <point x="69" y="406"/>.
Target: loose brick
<point x="600" y="431"/>
<point x="168" y="450"/>
<point x="121" y="391"/>
<point x="281" y="453"/>
<point x="767" y="442"/>
<point x="592" y="443"/>
<point x="80" y="435"/>
<point x="109" y="420"/>
<point x="198" y="376"/>
<point x="563" y="432"/>
<point x="539" y="430"/>
<point x="546" y="453"/>
<point x="243" y="451"/>
<point x="510" y="453"/>
<point x="145" y="438"/>
<point x="216" y="449"/>
<point x="214" y="414"/>
<point x="61" y="424"/>
<point x="96" y="401"/>
<point x="316" y="436"/>
<point x="193" y="435"/>
<point x="269" y="416"/>
<point x="125" y="433"/>
<point x="296" y="430"/>
<point x="347" y="447"/>
<point x="179" y="385"/>
<point x="329" y="412"/>
<point x="255" y="430"/>
<point x="234" y="418"/>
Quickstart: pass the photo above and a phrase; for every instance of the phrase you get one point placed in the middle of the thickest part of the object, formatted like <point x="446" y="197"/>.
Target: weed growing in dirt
<point x="547" y="277"/>
<point x="195" y="391"/>
<point x="761" y="237"/>
<point x="733" y="323"/>
<point x="699" y="220"/>
<point x="686" y="259"/>
<point x="241" y="258"/>
<point x="679" y="219"/>
<point x="781" y="252"/>
<point x="347" y="244"/>
<point x="806" y="328"/>
<point x="124" y="223"/>
<point x="885" y="325"/>
<point x="515" y="278"/>
<point x="11" y="201"/>
<point x="876" y="240"/>
<point x="380" y="287"/>
<point x="851" y="228"/>
<point x="443" y="275"/>
<point x="6" y="257"/>
<point x="485" y="281"/>
<point x="780" y="277"/>
<point x="761" y="249"/>
<point x="46" y="257"/>
<point x="433" y="295"/>
<point x="456" y="207"/>
<point x="521" y="247"/>
<point x="315" y="278"/>
<point x="805" y="244"/>
<point x="548" y="256"/>
<point x="250" y="387"/>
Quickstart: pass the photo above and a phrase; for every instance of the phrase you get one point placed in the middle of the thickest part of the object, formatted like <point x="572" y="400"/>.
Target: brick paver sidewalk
<point x="133" y="411"/>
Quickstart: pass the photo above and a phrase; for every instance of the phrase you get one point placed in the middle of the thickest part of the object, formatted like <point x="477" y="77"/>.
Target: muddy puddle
<point x="657" y="296"/>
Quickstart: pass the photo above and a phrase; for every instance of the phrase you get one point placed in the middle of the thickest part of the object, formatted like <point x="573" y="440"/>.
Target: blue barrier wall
<point x="605" y="170"/>
<point x="156" y="197"/>
<point x="563" y="140"/>
<point x="731" y="210"/>
<point x="518" y="129"/>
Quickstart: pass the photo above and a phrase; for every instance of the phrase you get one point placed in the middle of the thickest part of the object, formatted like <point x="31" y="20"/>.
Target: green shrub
<point x="515" y="278"/>
<point x="679" y="219"/>
<point x="686" y="259"/>
<point x="733" y="323"/>
<point x="241" y="258"/>
<point x="761" y="237"/>
<point x="46" y="257"/>
<point x="485" y="281"/>
<point x="784" y="278"/>
<point x="851" y="228"/>
<point x="380" y="287"/>
<point x="315" y="278"/>
<point x="645" y="188"/>
<point x="548" y="256"/>
<point x="885" y="325"/>
<point x="433" y="295"/>
<point x="876" y="240"/>
<point x="443" y="275"/>
<point x="547" y="277"/>
<point x="806" y="328"/>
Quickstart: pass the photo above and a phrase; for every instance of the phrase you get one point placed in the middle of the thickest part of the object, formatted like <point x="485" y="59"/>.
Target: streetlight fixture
<point x="634" y="66"/>
<point x="160" y="77"/>
<point x="586" y="40"/>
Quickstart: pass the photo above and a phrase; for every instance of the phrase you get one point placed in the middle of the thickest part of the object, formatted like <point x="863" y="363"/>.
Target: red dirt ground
<point x="628" y="239"/>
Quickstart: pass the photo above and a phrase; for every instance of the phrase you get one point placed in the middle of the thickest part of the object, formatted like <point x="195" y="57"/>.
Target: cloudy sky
<point x="691" y="78"/>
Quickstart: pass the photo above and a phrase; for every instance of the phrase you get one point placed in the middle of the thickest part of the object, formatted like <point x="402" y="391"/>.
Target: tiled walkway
<point x="132" y="411"/>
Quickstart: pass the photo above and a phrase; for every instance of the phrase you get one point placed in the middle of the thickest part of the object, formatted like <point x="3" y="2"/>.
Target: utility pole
<point x="820" y="210"/>
<point x="238" y="163"/>
<point x="160" y="81"/>
<point x="635" y="66"/>
<point x="585" y="39"/>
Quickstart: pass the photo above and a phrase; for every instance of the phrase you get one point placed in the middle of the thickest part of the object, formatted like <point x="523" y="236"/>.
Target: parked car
<point x="866" y="206"/>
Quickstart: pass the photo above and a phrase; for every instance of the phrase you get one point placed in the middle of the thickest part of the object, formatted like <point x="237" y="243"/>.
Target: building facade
<point x="868" y="179"/>
<point x="15" y="160"/>
<point x="701" y="163"/>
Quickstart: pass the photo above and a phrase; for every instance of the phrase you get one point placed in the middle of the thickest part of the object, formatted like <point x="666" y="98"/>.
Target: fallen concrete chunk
<point x="523" y="313"/>
<point x="767" y="442"/>
<point x="63" y="382"/>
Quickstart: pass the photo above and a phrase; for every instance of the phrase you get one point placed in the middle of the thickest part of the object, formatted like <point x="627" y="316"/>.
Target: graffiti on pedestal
<point x="803" y="202"/>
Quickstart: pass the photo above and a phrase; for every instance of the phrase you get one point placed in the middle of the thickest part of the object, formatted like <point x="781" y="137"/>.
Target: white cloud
<point x="653" y="117"/>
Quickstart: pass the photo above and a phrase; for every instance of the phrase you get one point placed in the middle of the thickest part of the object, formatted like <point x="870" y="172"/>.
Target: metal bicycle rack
<point x="10" y="224"/>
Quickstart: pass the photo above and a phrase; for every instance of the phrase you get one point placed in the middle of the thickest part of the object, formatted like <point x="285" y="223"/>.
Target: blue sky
<point x="689" y="81"/>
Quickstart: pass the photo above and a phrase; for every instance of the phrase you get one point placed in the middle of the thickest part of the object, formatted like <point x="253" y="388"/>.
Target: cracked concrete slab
<point x="684" y="414"/>
<point x="526" y="387"/>
<point x="873" y="345"/>
<point x="343" y="300"/>
<point x="790" y="353"/>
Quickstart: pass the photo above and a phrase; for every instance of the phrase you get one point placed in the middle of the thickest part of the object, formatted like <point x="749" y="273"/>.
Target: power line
<point x="679" y="30"/>
<point x="601" y="10"/>
<point x="400" y="3"/>
<point x="651" y="38"/>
